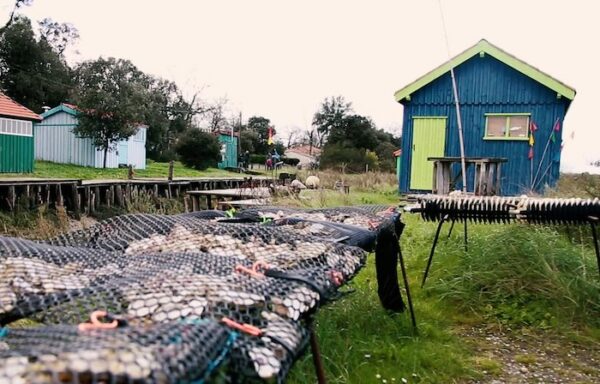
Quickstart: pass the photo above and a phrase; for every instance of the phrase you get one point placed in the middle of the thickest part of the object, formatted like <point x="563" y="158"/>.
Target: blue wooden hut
<point x="229" y="149"/>
<point x="509" y="109"/>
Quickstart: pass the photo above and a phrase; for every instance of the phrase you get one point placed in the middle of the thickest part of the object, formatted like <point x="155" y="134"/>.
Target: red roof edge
<point x="10" y="108"/>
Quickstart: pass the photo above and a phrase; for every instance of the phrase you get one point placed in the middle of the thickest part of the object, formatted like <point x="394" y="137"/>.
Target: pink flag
<point x="530" y="155"/>
<point x="557" y="125"/>
<point x="533" y="127"/>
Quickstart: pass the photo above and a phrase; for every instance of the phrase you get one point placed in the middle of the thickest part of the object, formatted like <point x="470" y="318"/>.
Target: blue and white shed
<point x="503" y="103"/>
<point x="56" y="142"/>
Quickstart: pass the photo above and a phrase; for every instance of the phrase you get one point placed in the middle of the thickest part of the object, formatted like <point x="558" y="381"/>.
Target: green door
<point x="429" y="137"/>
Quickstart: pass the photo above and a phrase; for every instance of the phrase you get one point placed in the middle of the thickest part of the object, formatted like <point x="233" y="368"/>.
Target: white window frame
<point x="16" y="127"/>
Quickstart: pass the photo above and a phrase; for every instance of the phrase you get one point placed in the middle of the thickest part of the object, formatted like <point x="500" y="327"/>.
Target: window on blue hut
<point x="506" y="126"/>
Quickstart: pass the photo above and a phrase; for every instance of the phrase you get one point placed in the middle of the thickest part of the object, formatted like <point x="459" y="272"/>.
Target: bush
<point x="199" y="150"/>
<point x="354" y="159"/>
<point x="290" y="161"/>
<point x="258" y="159"/>
<point x="165" y="156"/>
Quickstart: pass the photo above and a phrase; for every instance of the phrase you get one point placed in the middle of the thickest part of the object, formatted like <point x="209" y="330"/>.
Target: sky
<point x="280" y="59"/>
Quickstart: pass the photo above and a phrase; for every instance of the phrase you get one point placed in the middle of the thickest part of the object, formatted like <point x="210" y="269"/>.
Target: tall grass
<point x="519" y="275"/>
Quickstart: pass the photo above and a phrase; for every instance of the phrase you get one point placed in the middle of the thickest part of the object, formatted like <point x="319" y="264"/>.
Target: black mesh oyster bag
<point x="108" y="352"/>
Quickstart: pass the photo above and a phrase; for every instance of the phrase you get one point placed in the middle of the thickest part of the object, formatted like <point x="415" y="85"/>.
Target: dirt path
<point x="505" y="356"/>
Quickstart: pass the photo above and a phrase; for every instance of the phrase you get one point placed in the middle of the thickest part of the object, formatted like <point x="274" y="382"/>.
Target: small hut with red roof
<point x="16" y="136"/>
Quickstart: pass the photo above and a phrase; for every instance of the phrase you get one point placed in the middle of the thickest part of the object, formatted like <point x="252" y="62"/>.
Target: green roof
<point x="67" y="108"/>
<point x="486" y="47"/>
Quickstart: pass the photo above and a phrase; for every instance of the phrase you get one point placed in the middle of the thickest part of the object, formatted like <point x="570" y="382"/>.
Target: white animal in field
<point x="312" y="182"/>
<point x="297" y="184"/>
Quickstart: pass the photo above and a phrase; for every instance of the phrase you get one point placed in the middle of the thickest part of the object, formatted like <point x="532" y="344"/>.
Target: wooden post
<point x="130" y="172"/>
<point x="119" y="194"/>
<point x="92" y="206"/>
<point x="127" y="193"/>
<point x="12" y="197"/>
<point x="186" y="204"/>
<point x="75" y="198"/>
<point x="96" y="198"/>
<point x="498" y="178"/>
<point x="171" y="169"/>
<point x="87" y="197"/>
<point x="195" y="203"/>
<point x="28" y="194"/>
<point x="59" y="196"/>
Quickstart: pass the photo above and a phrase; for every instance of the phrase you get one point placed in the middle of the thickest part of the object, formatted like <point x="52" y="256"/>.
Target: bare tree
<point x="13" y="14"/>
<point x="215" y="116"/>
<point x="293" y="137"/>
<point x="312" y="138"/>
<point x="58" y="35"/>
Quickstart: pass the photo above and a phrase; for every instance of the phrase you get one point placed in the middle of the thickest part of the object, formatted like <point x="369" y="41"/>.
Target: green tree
<point x="167" y="114"/>
<point x="331" y="115"/>
<point x="31" y="72"/>
<point x="348" y="158"/>
<point x="110" y="95"/>
<point x="198" y="149"/>
<point x="260" y="125"/>
<point x="248" y="139"/>
<point x="354" y="131"/>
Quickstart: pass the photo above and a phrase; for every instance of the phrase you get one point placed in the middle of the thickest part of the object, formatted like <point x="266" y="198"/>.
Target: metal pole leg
<point x="596" y="246"/>
<point x="408" y="297"/>
<point x="466" y="241"/>
<point x="451" y="227"/>
<point x="316" y="355"/>
<point x="435" y="240"/>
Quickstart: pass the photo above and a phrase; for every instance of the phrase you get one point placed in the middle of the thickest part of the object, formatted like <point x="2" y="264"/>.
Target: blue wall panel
<point x="487" y="85"/>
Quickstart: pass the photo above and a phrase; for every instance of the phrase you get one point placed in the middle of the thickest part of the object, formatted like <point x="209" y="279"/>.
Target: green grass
<point x="46" y="169"/>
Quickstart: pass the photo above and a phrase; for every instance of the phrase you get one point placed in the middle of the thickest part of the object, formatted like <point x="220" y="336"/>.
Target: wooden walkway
<point x="85" y="196"/>
<point x="231" y="193"/>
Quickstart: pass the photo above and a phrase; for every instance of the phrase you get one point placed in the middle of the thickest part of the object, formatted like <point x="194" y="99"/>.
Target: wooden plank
<point x="236" y="192"/>
<point x="447" y="175"/>
<point x="436" y="177"/>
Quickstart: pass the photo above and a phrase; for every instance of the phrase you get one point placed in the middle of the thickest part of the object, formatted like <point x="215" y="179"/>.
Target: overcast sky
<point x="279" y="59"/>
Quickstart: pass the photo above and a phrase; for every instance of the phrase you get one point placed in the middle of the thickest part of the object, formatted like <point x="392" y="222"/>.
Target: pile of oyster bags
<point x="197" y="297"/>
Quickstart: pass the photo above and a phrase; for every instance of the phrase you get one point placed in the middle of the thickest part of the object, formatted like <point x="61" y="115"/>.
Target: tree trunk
<point x="105" y="154"/>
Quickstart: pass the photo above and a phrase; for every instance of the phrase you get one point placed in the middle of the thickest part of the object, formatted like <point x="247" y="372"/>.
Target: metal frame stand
<point x="435" y="240"/>
<point x="408" y="297"/>
<point x="316" y="355"/>
<point x="593" y="221"/>
<point x="466" y="240"/>
<point x="451" y="228"/>
<point x="450" y="233"/>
